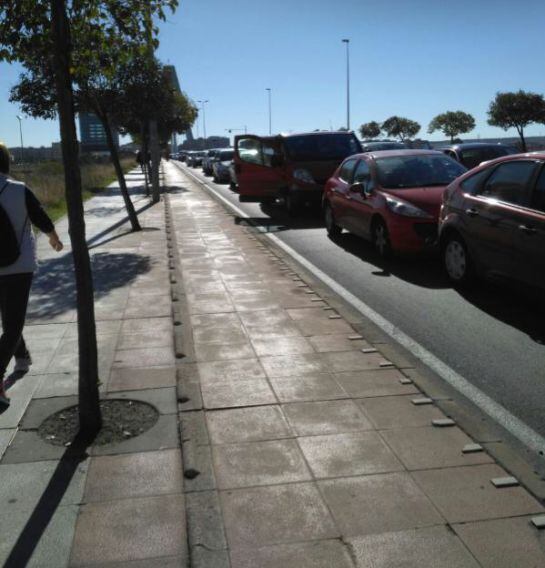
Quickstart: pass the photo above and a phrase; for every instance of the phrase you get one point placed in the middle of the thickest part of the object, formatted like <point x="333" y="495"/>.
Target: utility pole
<point x="204" y="122"/>
<point x="153" y="134"/>
<point x="20" y="119"/>
<point x="347" y="42"/>
<point x="270" y="114"/>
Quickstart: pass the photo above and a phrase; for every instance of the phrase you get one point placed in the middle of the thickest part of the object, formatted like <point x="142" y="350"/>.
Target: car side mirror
<point x="361" y="187"/>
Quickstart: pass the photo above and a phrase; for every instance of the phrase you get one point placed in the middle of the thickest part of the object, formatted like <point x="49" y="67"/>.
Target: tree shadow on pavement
<point x="54" y="290"/>
<point x="49" y="502"/>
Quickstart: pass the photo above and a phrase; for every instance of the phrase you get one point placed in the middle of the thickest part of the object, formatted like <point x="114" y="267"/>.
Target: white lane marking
<point x="496" y="411"/>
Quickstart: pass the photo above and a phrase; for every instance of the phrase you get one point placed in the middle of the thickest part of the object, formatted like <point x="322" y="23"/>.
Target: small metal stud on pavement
<point x="421" y="401"/>
<point x="539" y="522"/>
<point x="443" y="422"/>
<point x="385" y="364"/>
<point x="335" y="317"/>
<point x="405" y="381"/>
<point x="501" y="482"/>
<point x="369" y="350"/>
<point x="355" y="337"/>
<point x="472" y="448"/>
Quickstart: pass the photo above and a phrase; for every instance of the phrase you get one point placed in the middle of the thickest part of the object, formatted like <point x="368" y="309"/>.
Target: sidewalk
<point x="122" y="501"/>
<point x="314" y="449"/>
<point x="305" y="440"/>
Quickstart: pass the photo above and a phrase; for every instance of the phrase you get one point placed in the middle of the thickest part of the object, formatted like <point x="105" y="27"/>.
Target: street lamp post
<point x="20" y="119"/>
<point x="204" y="121"/>
<point x="270" y="114"/>
<point x="347" y="42"/>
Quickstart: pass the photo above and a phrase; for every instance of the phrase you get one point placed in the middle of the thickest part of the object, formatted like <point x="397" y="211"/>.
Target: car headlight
<point x="303" y="175"/>
<point x="400" y="207"/>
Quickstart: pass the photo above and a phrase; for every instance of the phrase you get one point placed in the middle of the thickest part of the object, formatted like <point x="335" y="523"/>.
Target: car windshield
<point x="318" y="147"/>
<point x="225" y="156"/>
<point x="401" y="172"/>
<point x="375" y="146"/>
<point x="472" y="157"/>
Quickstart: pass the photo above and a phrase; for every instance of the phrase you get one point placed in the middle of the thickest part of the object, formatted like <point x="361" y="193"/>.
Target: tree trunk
<point x="89" y="410"/>
<point x="144" y="154"/>
<point x="135" y="224"/>
<point x="155" y="160"/>
<point x="522" y="139"/>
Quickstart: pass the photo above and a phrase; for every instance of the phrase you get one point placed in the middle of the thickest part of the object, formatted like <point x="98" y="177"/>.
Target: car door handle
<point x="527" y="230"/>
<point x="472" y="212"/>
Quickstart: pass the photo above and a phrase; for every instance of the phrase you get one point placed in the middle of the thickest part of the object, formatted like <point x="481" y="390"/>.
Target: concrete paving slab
<point x="162" y="562"/>
<point x="316" y="554"/>
<point x="281" y="345"/>
<point x="428" y="447"/>
<point x="504" y="543"/>
<point x="6" y="435"/>
<point x="53" y="548"/>
<point x="466" y="494"/>
<point x="342" y="455"/>
<point x="247" y="424"/>
<point x="57" y="385"/>
<point x="40" y="409"/>
<point x="339" y="362"/>
<point x="293" y="365"/>
<point x="220" y="335"/>
<point x="239" y="392"/>
<point x="148" y="357"/>
<point x="275" y="514"/>
<point x="27" y="446"/>
<point x="134" y="475"/>
<point x="212" y="352"/>
<point x="259" y="318"/>
<point x="259" y="463"/>
<point x="213" y="372"/>
<point x="328" y="343"/>
<point x="164" y="400"/>
<point x="387" y="412"/>
<point x="129" y="529"/>
<point x="378" y="503"/>
<point x="308" y="387"/>
<point x="384" y="382"/>
<point x="20" y="394"/>
<point x="325" y="417"/>
<point x="24" y="484"/>
<point x="162" y="436"/>
<point x="128" y="378"/>
<point x="145" y="339"/>
<point x="139" y="325"/>
<point x="426" y="548"/>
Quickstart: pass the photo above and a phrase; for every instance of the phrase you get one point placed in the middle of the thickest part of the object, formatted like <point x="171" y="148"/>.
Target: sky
<point x="414" y="58"/>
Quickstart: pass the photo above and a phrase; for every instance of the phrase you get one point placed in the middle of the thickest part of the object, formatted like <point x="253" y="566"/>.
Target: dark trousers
<point x="14" y="294"/>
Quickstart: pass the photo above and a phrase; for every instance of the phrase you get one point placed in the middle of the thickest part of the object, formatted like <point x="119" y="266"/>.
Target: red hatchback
<point x="392" y="198"/>
<point x="493" y="221"/>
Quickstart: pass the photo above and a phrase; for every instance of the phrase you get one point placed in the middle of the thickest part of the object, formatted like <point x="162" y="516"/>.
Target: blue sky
<point x="414" y="58"/>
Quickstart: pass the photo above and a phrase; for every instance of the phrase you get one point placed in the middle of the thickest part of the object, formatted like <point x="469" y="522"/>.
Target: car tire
<point x="333" y="230"/>
<point x="215" y="178"/>
<point x="293" y="205"/>
<point x="456" y="260"/>
<point x="381" y="239"/>
<point x="232" y="186"/>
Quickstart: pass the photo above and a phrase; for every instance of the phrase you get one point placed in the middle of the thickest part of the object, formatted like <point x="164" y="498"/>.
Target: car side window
<point x="362" y="173"/>
<point x="270" y="152"/>
<point x="538" y="196"/>
<point x="473" y="183"/>
<point x="347" y="171"/>
<point x="509" y="182"/>
<point x="249" y="150"/>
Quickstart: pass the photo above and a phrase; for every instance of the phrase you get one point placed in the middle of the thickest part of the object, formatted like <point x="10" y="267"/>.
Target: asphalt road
<point x="493" y="337"/>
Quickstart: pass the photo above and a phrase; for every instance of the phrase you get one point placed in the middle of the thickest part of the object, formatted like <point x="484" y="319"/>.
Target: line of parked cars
<point x="482" y="206"/>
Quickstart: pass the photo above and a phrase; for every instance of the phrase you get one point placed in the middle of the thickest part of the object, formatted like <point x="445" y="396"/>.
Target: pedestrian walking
<point x="19" y="210"/>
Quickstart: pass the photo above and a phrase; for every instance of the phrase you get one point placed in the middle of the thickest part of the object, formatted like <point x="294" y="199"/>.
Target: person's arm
<point x="40" y="219"/>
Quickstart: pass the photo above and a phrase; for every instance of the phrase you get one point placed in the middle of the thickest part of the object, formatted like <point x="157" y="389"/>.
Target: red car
<point x="493" y="221"/>
<point x="392" y="198"/>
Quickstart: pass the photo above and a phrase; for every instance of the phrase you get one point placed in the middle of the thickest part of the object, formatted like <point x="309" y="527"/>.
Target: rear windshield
<point x="400" y="172"/>
<point x="472" y="157"/>
<point x="226" y="155"/>
<point x="321" y="148"/>
<point x="376" y="146"/>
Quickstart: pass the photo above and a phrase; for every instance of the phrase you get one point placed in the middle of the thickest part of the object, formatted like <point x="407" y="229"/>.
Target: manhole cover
<point x="121" y="420"/>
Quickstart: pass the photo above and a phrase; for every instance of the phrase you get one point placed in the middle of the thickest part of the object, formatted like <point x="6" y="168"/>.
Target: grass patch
<point x="46" y="179"/>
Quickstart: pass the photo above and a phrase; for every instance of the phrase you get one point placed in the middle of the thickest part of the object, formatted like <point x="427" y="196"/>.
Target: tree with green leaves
<point x="517" y="110"/>
<point x="370" y="129"/>
<point x="452" y="123"/>
<point x="400" y="127"/>
<point x="42" y="33"/>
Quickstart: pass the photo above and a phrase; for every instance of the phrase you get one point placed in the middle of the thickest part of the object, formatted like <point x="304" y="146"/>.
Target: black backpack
<point x="9" y="245"/>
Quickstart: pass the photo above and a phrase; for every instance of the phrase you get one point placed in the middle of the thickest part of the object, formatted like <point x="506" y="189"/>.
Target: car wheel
<point x="293" y="205"/>
<point x="215" y="178"/>
<point x="333" y="230"/>
<point x="456" y="260"/>
<point x="232" y="186"/>
<point x="381" y="239"/>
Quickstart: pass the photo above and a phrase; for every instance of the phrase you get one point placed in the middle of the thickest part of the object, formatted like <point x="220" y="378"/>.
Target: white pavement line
<point x="496" y="411"/>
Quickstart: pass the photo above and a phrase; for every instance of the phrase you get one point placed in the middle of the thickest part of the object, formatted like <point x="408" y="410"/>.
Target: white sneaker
<point x="23" y="365"/>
